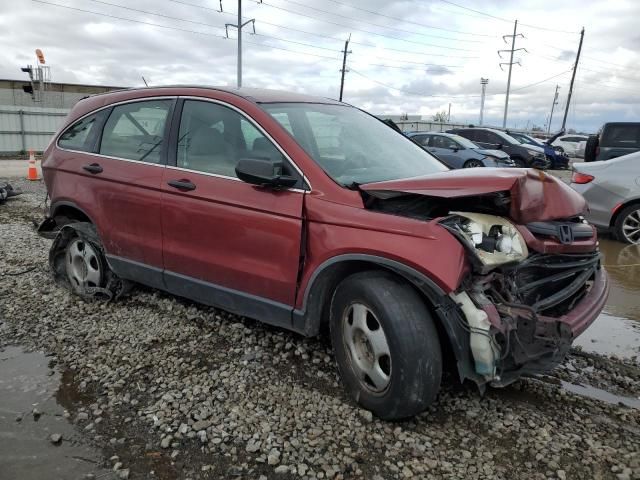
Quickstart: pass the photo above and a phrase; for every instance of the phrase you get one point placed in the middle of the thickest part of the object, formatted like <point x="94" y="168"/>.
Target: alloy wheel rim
<point x="368" y="348"/>
<point x="473" y="164"/>
<point x="631" y="227"/>
<point x="82" y="265"/>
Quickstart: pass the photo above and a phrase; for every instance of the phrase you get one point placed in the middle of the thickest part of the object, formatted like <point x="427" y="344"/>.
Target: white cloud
<point x="438" y="65"/>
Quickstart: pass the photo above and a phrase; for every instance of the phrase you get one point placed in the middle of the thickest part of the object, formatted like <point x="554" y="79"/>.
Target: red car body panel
<point x="233" y="234"/>
<point x="535" y="196"/>
<point x="336" y="229"/>
<point x="125" y="193"/>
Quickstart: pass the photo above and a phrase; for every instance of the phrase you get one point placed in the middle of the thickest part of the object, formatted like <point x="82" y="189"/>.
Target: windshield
<point x="526" y="139"/>
<point x="465" y="142"/>
<point x="352" y="146"/>
<point x="509" y="140"/>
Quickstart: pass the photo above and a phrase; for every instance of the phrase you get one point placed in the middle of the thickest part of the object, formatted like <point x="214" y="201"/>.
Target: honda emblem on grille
<point x="565" y="233"/>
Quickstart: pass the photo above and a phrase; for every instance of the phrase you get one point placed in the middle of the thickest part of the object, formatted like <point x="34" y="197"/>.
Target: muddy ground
<point x="157" y="387"/>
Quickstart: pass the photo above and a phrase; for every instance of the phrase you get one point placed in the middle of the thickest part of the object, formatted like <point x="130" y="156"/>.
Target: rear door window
<point x="622" y="136"/>
<point x="136" y="131"/>
<point x="81" y="135"/>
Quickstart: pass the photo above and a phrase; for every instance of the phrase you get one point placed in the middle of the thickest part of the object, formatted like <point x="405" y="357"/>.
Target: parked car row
<point x="482" y="147"/>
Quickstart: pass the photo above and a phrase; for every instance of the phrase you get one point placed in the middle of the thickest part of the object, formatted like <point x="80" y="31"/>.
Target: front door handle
<point x="93" y="168"/>
<point x="184" y="185"/>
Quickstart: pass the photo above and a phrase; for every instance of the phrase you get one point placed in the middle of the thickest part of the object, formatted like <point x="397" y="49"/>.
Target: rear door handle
<point x="184" y="185"/>
<point x="93" y="168"/>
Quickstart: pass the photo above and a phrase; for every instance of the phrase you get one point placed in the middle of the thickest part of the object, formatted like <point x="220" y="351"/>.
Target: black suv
<point x="614" y="140"/>
<point x="490" y="139"/>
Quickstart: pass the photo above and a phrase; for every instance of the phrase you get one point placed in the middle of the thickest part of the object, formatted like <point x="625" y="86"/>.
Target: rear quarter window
<point x="81" y="136"/>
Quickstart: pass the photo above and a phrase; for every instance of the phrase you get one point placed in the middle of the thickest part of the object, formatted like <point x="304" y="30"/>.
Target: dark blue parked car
<point x="458" y="152"/>
<point x="559" y="160"/>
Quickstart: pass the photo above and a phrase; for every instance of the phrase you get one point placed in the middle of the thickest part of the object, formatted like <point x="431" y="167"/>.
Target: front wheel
<point x="386" y="345"/>
<point x="627" y="227"/>
<point x="473" y="164"/>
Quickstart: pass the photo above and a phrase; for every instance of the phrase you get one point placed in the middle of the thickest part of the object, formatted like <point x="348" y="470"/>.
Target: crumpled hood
<point x="535" y="196"/>
<point x="493" y="153"/>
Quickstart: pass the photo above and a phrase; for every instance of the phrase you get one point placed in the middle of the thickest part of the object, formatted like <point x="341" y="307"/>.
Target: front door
<point x="226" y="242"/>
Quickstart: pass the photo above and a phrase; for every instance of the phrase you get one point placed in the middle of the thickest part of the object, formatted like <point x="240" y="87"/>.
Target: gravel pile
<point x="166" y="386"/>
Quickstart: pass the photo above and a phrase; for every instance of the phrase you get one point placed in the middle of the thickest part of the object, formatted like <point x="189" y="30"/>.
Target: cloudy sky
<point x="408" y="56"/>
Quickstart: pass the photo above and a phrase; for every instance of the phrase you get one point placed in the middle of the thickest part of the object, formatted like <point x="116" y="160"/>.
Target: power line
<point x="408" y="21"/>
<point x="507" y="20"/>
<point x="326" y="36"/>
<point x="180" y="29"/>
<point x="369" y="32"/>
<point x="210" y="25"/>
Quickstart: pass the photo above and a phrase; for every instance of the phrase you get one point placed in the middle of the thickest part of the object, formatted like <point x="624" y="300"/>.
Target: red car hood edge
<point x="535" y="196"/>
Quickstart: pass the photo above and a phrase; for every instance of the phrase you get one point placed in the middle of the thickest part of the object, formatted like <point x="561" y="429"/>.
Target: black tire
<point x="473" y="164"/>
<point x="78" y="262"/>
<point x="590" y="148"/>
<point x="414" y="361"/>
<point x="628" y="217"/>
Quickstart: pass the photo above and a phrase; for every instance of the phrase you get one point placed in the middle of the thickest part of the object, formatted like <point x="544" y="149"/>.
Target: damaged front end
<point x="535" y="281"/>
<point x="524" y="308"/>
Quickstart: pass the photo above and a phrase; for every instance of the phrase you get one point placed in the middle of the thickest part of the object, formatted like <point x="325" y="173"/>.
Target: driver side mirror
<point x="499" y="146"/>
<point x="265" y="173"/>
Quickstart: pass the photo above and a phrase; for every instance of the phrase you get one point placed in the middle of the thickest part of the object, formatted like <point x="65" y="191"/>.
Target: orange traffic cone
<point x="32" y="173"/>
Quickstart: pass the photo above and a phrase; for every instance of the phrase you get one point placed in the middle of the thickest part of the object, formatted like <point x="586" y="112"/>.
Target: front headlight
<point x="493" y="240"/>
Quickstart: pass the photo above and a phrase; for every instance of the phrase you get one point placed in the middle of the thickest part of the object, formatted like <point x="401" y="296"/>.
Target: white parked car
<point x="569" y="143"/>
<point x="580" y="149"/>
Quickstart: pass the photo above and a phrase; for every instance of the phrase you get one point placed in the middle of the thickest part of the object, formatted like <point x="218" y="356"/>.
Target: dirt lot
<point x="157" y="387"/>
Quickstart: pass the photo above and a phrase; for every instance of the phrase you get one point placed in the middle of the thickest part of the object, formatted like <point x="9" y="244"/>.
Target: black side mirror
<point x="499" y="146"/>
<point x="266" y="173"/>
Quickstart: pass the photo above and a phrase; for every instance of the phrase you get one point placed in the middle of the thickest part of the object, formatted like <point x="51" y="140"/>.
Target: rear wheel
<point x="627" y="227"/>
<point x="84" y="265"/>
<point x="386" y="345"/>
<point x="473" y="164"/>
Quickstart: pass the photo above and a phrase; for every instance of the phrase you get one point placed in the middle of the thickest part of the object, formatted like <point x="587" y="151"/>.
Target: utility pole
<point x="449" y="114"/>
<point x="573" y="77"/>
<point x="510" y="63"/>
<point x="483" y="82"/>
<point x="345" y="52"/>
<point x="555" y="102"/>
<point x="239" y="26"/>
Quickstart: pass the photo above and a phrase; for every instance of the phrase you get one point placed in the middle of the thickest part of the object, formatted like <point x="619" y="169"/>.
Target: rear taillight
<point x="581" y="178"/>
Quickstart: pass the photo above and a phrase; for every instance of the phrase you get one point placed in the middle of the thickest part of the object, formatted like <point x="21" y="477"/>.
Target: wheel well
<point x="321" y="293"/>
<point x="69" y="214"/>
<point x="615" y="216"/>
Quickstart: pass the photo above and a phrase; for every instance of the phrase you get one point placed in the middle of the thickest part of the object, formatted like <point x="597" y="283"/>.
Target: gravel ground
<point x="170" y="389"/>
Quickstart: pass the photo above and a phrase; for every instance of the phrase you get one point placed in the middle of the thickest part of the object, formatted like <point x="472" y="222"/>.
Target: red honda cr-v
<point x="302" y="212"/>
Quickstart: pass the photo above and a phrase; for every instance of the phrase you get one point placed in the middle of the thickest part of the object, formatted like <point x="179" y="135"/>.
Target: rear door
<point x="226" y="242"/>
<point x="118" y="183"/>
<point x="444" y="149"/>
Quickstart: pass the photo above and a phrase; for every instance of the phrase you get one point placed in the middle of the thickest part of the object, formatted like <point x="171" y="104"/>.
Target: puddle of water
<point x="602" y="395"/>
<point x="27" y="382"/>
<point x="610" y="335"/>
<point x="617" y="329"/>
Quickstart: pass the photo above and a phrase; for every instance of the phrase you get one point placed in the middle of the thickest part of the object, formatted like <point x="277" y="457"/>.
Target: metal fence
<point x="423" y="126"/>
<point x="25" y="128"/>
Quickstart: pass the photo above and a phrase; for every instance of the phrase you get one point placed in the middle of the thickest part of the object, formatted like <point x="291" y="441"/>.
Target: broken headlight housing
<point x="492" y="240"/>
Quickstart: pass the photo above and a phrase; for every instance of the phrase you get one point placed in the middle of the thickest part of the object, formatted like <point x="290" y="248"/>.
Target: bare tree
<point x="440" y="117"/>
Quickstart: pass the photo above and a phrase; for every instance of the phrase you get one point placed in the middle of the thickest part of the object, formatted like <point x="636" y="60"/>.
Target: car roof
<point x="256" y="95"/>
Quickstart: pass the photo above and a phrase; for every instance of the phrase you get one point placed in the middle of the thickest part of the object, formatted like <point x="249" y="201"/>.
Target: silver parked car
<point x="612" y="189"/>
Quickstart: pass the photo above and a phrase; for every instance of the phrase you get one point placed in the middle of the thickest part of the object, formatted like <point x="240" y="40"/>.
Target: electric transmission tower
<point x="510" y="63"/>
